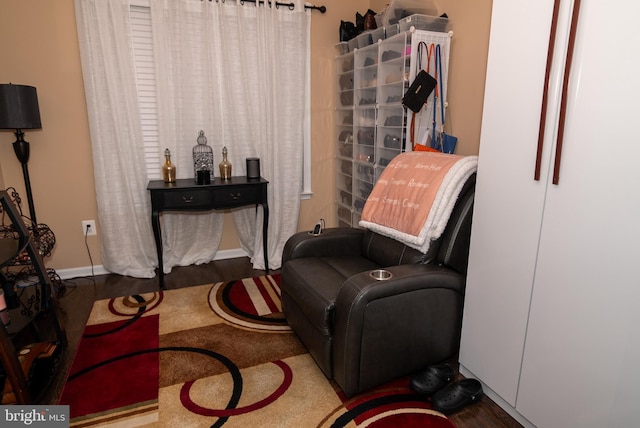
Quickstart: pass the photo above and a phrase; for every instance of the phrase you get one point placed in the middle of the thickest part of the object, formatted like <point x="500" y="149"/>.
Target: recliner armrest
<point x="405" y="278"/>
<point x="337" y="241"/>
<point x="387" y="329"/>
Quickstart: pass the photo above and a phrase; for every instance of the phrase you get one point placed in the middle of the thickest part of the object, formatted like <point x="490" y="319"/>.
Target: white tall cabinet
<point x="552" y="311"/>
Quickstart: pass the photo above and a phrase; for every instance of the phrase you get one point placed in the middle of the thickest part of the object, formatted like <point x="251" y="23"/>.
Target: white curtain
<point x="104" y="34"/>
<point x="238" y="72"/>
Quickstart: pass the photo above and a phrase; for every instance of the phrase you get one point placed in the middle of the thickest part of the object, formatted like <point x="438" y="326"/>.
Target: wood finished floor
<point x="76" y="303"/>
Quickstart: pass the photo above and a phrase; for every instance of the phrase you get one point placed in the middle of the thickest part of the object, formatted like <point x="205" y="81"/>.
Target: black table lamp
<point x="19" y="110"/>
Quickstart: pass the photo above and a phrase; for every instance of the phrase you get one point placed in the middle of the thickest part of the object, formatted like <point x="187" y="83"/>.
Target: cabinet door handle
<point x="187" y="199"/>
<point x="235" y="196"/>
<point x="565" y="90"/>
<point x="545" y="91"/>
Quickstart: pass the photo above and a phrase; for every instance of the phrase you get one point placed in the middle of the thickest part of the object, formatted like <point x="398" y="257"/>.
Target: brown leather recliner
<point x="363" y="332"/>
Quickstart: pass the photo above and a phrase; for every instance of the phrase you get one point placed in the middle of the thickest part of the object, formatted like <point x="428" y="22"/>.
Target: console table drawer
<point x="187" y="199"/>
<point x="237" y="196"/>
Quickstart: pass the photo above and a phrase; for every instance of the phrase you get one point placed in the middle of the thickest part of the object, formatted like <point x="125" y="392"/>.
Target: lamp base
<point x="21" y="147"/>
<point x="22" y="151"/>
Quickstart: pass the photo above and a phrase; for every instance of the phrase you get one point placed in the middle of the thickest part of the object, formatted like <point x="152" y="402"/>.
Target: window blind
<point x="146" y="88"/>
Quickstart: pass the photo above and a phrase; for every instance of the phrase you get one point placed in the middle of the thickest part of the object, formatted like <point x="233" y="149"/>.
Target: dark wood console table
<point x="185" y="195"/>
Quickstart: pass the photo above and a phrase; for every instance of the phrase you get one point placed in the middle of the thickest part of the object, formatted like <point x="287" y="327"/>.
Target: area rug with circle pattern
<point x="216" y="355"/>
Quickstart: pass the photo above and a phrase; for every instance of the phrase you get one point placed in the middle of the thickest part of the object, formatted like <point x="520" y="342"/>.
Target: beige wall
<point x="470" y="22"/>
<point x="324" y="37"/>
<point x="39" y="47"/>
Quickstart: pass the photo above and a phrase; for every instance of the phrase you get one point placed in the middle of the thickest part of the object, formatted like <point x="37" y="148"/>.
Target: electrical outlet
<point x="89" y="228"/>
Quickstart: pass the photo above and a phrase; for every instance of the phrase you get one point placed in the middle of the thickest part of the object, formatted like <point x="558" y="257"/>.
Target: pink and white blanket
<point x="415" y="195"/>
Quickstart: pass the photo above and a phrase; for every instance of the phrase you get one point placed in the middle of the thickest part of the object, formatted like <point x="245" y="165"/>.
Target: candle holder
<point x="202" y="160"/>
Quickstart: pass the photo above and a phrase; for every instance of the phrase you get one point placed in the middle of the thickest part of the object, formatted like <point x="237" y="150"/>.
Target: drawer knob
<point x="235" y="196"/>
<point x="187" y="199"/>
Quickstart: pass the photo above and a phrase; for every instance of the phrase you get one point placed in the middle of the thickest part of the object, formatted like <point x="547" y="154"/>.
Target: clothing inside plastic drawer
<point x="345" y="136"/>
<point x="344" y="197"/>
<point x="367" y="97"/>
<point x="345" y="63"/>
<point x="344" y="213"/>
<point x="366" y="136"/>
<point x="345" y="150"/>
<point x="365" y="173"/>
<point x="346" y="81"/>
<point x="390" y="54"/>
<point x="367" y="57"/>
<point x="346" y="98"/>
<point x="365" y="116"/>
<point x="345" y="117"/>
<point x="392" y="140"/>
<point x="365" y="154"/>
<point x="391" y="116"/>
<point x="391" y="93"/>
<point x="368" y="78"/>
<point x="385" y="156"/>
<point x="363" y="189"/>
<point x="345" y="182"/>
<point x="395" y="120"/>
<point x="346" y="167"/>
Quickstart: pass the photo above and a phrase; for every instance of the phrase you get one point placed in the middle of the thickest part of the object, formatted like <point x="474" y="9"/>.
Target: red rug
<point x="212" y="356"/>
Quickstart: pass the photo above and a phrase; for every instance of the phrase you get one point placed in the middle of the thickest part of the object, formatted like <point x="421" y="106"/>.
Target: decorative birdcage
<point x="202" y="157"/>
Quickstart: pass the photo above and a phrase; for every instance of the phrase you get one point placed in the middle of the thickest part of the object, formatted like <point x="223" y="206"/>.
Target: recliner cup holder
<point x="380" y="274"/>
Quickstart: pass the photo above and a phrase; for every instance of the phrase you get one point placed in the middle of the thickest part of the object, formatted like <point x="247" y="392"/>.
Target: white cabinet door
<point x="582" y="345"/>
<point x="509" y="203"/>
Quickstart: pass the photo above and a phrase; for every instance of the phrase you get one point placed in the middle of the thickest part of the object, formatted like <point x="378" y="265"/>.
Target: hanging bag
<point x="412" y="127"/>
<point x="442" y="141"/>
<point x="422" y="86"/>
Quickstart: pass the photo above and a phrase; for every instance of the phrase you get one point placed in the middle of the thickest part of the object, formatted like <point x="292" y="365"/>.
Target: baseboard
<point x="100" y="270"/>
<point x="497" y="399"/>
<point x="81" y="272"/>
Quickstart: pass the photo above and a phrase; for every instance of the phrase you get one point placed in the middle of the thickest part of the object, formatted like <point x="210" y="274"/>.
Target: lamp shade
<point x="19" y="107"/>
